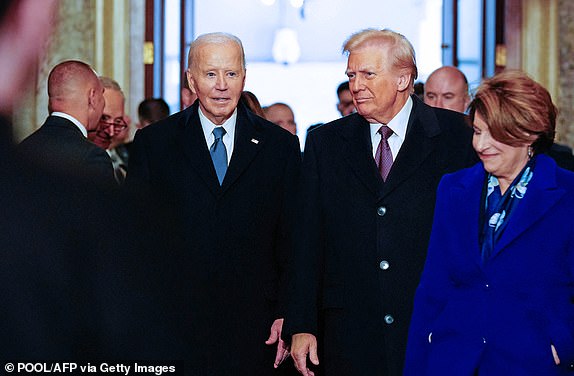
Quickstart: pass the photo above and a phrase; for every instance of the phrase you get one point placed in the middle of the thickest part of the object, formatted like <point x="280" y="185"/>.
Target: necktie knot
<point x="385" y="132"/>
<point x="218" y="132"/>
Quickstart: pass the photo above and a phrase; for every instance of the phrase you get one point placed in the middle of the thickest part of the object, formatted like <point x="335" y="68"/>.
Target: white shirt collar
<point x="76" y="122"/>
<point x="229" y="136"/>
<point x="398" y="125"/>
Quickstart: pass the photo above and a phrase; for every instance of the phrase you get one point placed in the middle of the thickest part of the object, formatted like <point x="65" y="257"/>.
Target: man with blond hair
<point x="365" y="213"/>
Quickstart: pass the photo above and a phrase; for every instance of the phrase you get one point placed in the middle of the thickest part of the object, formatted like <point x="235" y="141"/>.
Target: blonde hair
<point x="402" y="51"/>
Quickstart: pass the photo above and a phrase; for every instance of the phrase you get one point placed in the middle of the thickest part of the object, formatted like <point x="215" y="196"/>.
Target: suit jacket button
<point x="384" y="265"/>
<point x="389" y="319"/>
<point x="381" y="211"/>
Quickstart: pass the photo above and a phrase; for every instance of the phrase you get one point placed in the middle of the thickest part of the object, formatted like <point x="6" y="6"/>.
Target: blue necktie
<point x="219" y="153"/>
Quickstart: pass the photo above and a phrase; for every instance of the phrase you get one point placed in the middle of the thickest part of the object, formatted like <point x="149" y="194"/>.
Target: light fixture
<point x="297" y="3"/>
<point x="286" y="48"/>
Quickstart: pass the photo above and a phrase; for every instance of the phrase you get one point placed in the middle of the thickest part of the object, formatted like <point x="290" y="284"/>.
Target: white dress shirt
<point x="398" y="125"/>
<point x="228" y="137"/>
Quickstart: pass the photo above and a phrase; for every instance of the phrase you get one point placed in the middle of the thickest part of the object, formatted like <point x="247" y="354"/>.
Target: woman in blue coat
<point x="496" y="295"/>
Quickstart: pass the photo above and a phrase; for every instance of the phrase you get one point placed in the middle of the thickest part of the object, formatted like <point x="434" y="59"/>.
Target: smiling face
<point x="217" y="77"/>
<point x="499" y="159"/>
<point x="379" y="91"/>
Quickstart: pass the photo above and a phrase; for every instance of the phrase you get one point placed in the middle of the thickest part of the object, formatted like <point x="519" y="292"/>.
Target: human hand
<point x="275" y="336"/>
<point x="301" y="345"/>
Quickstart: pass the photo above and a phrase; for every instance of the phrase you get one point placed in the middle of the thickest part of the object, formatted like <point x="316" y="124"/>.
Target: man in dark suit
<point x="226" y="179"/>
<point x="75" y="102"/>
<point x="65" y="277"/>
<point x="368" y="193"/>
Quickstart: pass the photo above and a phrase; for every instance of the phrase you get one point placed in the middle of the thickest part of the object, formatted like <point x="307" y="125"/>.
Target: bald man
<point x="75" y="103"/>
<point x="282" y="115"/>
<point x="447" y="87"/>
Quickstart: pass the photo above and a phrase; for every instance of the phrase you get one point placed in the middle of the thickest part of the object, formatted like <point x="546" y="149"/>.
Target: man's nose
<point x="221" y="83"/>
<point x="110" y="130"/>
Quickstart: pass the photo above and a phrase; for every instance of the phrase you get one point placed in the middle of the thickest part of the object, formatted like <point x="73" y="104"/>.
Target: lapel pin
<point x="255" y="141"/>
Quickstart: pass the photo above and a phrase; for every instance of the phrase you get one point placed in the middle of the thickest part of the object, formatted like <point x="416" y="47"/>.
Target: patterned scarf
<point x="498" y="208"/>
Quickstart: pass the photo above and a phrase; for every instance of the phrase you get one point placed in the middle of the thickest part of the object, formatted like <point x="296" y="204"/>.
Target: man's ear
<point x="91" y="97"/>
<point x="190" y="81"/>
<point x="403" y="81"/>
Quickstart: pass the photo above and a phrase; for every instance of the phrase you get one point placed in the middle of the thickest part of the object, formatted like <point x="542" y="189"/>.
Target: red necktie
<point x="383" y="156"/>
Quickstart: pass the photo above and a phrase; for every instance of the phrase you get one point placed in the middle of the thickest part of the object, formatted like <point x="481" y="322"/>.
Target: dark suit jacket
<point x="562" y="155"/>
<point x="231" y="240"/>
<point x="502" y="316"/>
<point x="361" y="243"/>
<point x="60" y="146"/>
<point x="71" y="281"/>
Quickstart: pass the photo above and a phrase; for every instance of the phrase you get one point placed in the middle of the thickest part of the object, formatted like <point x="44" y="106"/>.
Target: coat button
<point x="381" y="211"/>
<point x="389" y="319"/>
<point x="384" y="265"/>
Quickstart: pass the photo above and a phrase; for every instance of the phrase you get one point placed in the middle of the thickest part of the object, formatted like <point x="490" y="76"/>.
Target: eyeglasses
<point x="119" y="125"/>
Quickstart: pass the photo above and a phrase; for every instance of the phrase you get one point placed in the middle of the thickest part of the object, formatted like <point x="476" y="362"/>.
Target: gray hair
<point x="215" y="38"/>
<point x="109" y="83"/>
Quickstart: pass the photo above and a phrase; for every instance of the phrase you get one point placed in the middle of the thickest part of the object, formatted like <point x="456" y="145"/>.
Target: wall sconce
<point x="286" y="48"/>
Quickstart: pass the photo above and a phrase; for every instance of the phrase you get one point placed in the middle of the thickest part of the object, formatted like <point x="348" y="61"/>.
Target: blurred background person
<point x="345" y="106"/>
<point x="251" y="101"/>
<point x="113" y="125"/>
<point x="419" y="90"/>
<point x="282" y="115"/>
<point x="447" y="87"/>
<point x="495" y="296"/>
<point x="113" y="130"/>
<point x="151" y="110"/>
<point x="187" y="96"/>
<point x="75" y="103"/>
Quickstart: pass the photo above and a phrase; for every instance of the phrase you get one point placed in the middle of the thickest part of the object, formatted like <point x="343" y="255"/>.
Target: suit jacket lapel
<point x="541" y="195"/>
<point x="421" y="138"/>
<point x="358" y="150"/>
<point x="192" y="143"/>
<point x="249" y="139"/>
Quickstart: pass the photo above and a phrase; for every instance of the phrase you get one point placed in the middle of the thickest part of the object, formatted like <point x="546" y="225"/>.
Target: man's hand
<point x="275" y="336"/>
<point x="301" y="345"/>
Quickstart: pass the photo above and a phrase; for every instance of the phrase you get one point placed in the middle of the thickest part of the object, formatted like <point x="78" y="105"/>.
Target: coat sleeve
<point x="435" y="286"/>
<point x="285" y="227"/>
<point x="304" y="270"/>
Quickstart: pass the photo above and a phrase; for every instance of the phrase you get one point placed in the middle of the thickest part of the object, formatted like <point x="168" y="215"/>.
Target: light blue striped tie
<point x="219" y="153"/>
